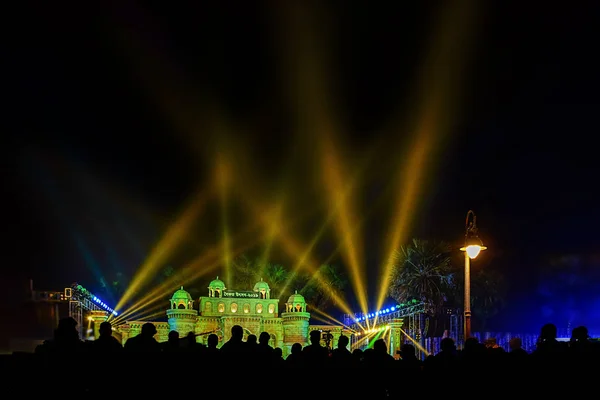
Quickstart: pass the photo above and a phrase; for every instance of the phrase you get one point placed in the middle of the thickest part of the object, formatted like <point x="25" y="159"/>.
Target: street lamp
<point x="473" y="246"/>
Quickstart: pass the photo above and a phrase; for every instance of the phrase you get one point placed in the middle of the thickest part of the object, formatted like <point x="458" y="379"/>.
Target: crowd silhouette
<point x="252" y="366"/>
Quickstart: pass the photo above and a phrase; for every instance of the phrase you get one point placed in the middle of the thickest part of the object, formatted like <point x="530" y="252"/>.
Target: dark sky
<point x="97" y="165"/>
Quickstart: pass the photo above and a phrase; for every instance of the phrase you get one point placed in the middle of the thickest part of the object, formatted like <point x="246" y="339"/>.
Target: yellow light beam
<point x="223" y="173"/>
<point x="164" y="248"/>
<point x="345" y="221"/>
<point x="335" y="251"/>
<point x="308" y="83"/>
<point x="331" y="215"/>
<point x="151" y="317"/>
<point x="438" y="91"/>
<point x="417" y="344"/>
<point x="156" y="308"/>
<point x="293" y="248"/>
<point x="247" y="238"/>
<point x="330" y="318"/>
<point x="325" y="321"/>
<point x="316" y="277"/>
<point x="272" y="231"/>
<point x="201" y="265"/>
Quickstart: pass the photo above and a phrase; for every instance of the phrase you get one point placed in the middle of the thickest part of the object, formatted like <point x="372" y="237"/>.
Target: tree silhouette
<point x="276" y="276"/>
<point x="321" y="288"/>
<point x="423" y="271"/>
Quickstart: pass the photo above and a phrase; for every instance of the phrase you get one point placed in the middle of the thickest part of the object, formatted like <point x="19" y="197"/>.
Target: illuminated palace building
<point x="254" y="310"/>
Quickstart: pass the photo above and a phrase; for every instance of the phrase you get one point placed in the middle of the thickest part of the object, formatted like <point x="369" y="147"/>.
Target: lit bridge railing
<point x="385" y="315"/>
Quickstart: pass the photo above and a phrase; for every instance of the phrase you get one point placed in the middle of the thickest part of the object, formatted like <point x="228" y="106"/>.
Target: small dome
<point x="261" y="285"/>
<point x="216" y="284"/>
<point x="296" y="298"/>
<point x="181" y="295"/>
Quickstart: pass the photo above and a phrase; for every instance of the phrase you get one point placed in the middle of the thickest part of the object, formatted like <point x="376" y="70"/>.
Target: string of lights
<point x="81" y="294"/>
<point x="387" y="313"/>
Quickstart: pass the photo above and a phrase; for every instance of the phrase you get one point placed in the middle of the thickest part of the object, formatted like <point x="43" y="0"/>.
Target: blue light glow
<point x="377" y="313"/>
<point x="106" y="307"/>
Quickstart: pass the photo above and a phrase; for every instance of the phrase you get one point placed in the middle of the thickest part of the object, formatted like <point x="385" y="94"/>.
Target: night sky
<point x="99" y="161"/>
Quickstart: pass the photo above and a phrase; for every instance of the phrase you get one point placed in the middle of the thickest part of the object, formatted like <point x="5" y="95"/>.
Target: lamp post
<point x="473" y="246"/>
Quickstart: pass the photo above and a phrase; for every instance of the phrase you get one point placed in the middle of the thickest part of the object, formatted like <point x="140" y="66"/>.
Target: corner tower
<point x="216" y="288"/>
<point x="263" y="289"/>
<point x="181" y="314"/>
<point x="295" y="322"/>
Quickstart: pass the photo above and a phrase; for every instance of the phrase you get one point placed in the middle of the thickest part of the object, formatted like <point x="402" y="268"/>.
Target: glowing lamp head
<point x="473" y="247"/>
<point x="474" y="250"/>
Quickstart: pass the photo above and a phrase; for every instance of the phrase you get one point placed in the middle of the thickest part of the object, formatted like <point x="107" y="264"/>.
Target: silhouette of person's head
<point x="191" y="338"/>
<point x="408" y="352"/>
<point x="66" y="330"/>
<point x="277" y="352"/>
<point x="148" y="329"/>
<point x="296" y="348"/>
<point x="315" y="337"/>
<point x="67" y="323"/>
<point x="237" y="333"/>
<point x="251" y="339"/>
<point x="343" y="342"/>
<point x="212" y="341"/>
<point x="173" y="337"/>
<point x="548" y="332"/>
<point x="380" y="346"/>
<point x="105" y="329"/>
<point x="447" y="344"/>
<point x="264" y="338"/>
<point x="580" y="334"/>
<point x="514" y="343"/>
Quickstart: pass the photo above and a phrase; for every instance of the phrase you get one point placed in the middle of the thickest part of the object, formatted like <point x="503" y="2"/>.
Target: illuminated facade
<point x="254" y="310"/>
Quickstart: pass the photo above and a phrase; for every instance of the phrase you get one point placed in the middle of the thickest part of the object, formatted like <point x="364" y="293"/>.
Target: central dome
<point x="262" y="285"/>
<point x="217" y="284"/>
<point x="181" y="295"/>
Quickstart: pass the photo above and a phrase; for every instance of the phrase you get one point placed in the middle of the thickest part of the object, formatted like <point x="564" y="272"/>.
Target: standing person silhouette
<point x="106" y="342"/>
<point x="314" y="354"/>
